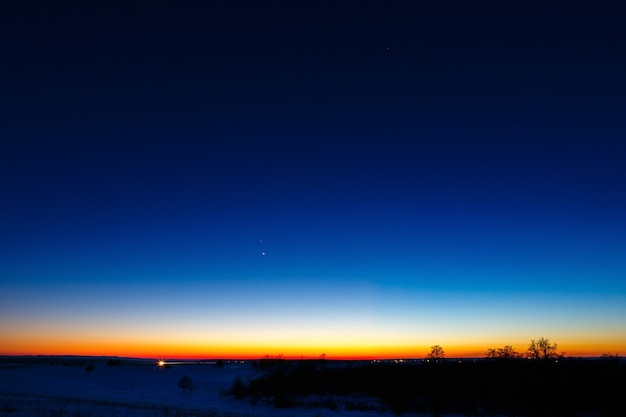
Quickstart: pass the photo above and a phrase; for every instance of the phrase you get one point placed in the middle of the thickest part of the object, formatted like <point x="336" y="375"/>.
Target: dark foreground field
<point x="517" y="387"/>
<point x="83" y="387"/>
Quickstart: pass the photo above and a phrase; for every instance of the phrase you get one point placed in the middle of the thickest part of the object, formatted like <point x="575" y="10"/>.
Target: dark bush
<point x="186" y="384"/>
<point x="239" y="389"/>
<point x="329" y="402"/>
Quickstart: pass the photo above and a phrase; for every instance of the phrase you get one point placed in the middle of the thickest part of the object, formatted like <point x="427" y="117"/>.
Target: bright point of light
<point x="161" y="363"/>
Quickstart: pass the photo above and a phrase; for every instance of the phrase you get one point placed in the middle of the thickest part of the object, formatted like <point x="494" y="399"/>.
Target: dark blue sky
<point x="454" y="150"/>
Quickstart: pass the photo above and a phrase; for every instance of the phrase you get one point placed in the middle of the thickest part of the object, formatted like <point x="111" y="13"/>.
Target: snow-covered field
<point x="138" y="389"/>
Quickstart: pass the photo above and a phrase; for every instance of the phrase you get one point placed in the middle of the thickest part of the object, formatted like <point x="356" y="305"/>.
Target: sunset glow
<point x="295" y="342"/>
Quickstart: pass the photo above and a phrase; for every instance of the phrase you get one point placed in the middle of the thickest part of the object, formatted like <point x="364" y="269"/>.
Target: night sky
<point x="360" y="179"/>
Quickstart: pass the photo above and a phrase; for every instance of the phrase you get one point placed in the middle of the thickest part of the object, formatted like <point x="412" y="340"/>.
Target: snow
<point x="136" y="389"/>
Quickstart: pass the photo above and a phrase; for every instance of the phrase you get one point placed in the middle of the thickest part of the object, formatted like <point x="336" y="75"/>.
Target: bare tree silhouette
<point x="542" y="349"/>
<point x="506" y="352"/>
<point x="436" y="353"/>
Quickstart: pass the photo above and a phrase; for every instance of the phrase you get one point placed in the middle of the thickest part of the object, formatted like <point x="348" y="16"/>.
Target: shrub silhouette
<point x="506" y="352"/>
<point x="238" y="389"/>
<point x="186" y="384"/>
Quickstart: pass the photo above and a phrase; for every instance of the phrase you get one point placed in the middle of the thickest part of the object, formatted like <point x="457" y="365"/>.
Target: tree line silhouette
<point x="539" y="383"/>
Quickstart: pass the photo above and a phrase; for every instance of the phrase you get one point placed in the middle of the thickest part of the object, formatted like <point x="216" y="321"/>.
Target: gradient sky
<point x="362" y="179"/>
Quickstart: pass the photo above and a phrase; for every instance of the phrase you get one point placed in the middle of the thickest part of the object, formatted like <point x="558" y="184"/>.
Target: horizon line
<point x="276" y="357"/>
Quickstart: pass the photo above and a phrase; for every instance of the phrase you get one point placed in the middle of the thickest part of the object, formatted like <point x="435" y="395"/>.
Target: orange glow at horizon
<point x="290" y="342"/>
<point x="232" y="351"/>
